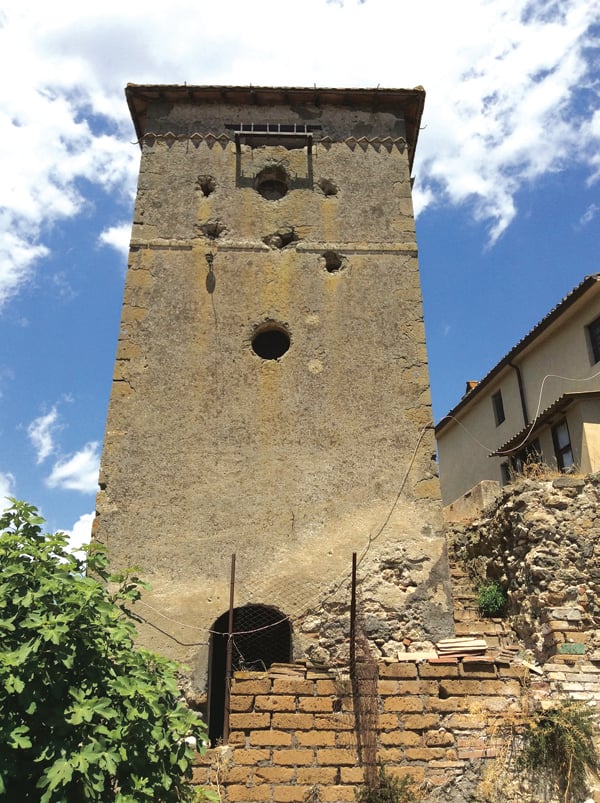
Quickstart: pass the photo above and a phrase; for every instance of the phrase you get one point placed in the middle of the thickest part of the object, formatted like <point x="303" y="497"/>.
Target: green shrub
<point x="85" y="715"/>
<point x="491" y="599"/>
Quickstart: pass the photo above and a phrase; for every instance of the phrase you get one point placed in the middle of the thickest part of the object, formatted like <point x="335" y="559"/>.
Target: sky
<point x="507" y="182"/>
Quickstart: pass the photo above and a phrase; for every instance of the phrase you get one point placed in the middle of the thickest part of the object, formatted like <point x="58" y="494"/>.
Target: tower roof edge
<point x="409" y="101"/>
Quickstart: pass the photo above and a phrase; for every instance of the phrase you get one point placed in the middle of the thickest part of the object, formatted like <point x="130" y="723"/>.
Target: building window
<point x="526" y="458"/>
<point x="498" y="406"/>
<point x="594" y="334"/>
<point x="562" y="445"/>
<point x="505" y="473"/>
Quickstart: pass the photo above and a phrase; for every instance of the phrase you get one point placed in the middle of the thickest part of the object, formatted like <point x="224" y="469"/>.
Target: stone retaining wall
<point x="293" y="737"/>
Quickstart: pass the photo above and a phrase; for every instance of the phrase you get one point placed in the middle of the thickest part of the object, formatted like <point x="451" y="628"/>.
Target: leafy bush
<point x="85" y="715"/>
<point x="491" y="599"/>
<point x="560" y="742"/>
<point x="389" y="789"/>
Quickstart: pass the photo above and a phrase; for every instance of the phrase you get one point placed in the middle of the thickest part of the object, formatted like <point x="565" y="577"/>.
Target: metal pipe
<point x="517" y="370"/>
<point x="229" y="654"/>
<point x="353" y="618"/>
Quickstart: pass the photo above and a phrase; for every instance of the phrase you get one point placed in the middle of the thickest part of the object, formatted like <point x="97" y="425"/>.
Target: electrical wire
<point x="531" y="427"/>
<point x="317" y="600"/>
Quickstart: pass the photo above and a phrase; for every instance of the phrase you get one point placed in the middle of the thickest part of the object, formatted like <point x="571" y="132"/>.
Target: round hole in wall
<point x="271" y="341"/>
<point x="272" y="183"/>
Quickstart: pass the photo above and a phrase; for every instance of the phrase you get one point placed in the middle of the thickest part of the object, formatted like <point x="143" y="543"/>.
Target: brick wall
<point x="296" y="737"/>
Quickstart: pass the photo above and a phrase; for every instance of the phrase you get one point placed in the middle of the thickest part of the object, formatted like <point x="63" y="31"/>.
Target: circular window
<point x="270" y="342"/>
<point x="272" y="183"/>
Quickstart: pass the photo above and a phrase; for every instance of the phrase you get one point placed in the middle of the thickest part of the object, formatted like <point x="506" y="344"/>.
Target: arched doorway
<point x="262" y="636"/>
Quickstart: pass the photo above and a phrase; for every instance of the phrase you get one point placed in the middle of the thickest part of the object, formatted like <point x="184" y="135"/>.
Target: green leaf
<point x="59" y="774"/>
<point x="19" y="739"/>
<point x="69" y="663"/>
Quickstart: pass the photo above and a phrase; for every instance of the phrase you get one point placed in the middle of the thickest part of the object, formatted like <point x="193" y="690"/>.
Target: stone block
<point x="271" y="738"/>
<point x="477" y="669"/>
<point x="318" y="704"/>
<point x="354" y="775"/>
<point x="327" y="687"/>
<point x="317" y="775"/>
<point x="312" y="738"/>
<point x="290" y="794"/>
<point x="421" y="722"/>
<point x="388" y="722"/>
<point x="417" y="687"/>
<point x="337" y="757"/>
<point x="447" y="705"/>
<point x="504" y="687"/>
<point x="295" y="721"/>
<point x="292" y="758"/>
<point x="465" y="722"/>
<point x="396" y="670"/>
<point x="249" y="721"/>
<point x="237" y="793"/>
<point x="399" y="738"/>
<point x="460" y="687"/>
<point x="274" y="774"/>
<point x="241" y="702"/>
<point x="250" y="686"/>
<point x="439" y="738"/>
<point x="294" y="686"/>
<point x="385" y="687"/>
<point x="428" y="670"/>
<point x="275" y="702"/>
<point x="416" y="773"/>
<point x="337" y="794"/>
<point x="402" y="704"/>
<point x="250" y="756"/>
<point x="424" y="753"/>
<point x="333" y="721"/>
<point x="237" y="774"/>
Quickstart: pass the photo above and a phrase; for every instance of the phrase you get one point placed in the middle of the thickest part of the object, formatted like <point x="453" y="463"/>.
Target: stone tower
<point x="271" y="394"/>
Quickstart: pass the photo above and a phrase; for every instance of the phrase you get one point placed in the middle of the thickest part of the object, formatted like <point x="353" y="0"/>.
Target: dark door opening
<point x="262" y="636"/>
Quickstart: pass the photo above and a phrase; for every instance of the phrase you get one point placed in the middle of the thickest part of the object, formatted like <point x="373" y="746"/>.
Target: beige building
<point x="271" y="392"/>
<point x="540" y="403"/>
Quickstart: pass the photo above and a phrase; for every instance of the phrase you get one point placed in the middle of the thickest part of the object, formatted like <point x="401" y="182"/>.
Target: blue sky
<point x="507" y="182"/>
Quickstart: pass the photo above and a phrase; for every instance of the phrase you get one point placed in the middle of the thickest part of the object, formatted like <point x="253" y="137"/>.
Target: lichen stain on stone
<point x="140" y="278"/>
<point x="427" y="489"/>
<point x="133" y="314"/>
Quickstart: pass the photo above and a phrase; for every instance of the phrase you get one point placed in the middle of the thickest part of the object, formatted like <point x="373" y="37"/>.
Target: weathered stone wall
<point x="310" y="735"/>
<point x="541" y="541"/>
<point x="291" y="463"/>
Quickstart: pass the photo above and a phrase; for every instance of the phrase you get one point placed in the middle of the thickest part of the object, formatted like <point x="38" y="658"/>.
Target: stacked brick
<point x="296" y="738"/>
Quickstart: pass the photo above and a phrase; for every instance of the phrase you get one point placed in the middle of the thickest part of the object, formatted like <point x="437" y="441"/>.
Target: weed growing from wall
<point x="542" y="755"/>
<point x="491" y="599"/>
<point x="389" y="789"/>
<point x="560" y="742"/>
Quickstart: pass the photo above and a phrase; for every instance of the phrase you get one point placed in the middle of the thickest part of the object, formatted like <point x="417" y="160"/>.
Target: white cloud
<point x="79" y="472"/>
<point x="81" y="532"/>
<point x="589" y="214"/>
<point x="117" y="237"/>
<point x="510" y="93"/>
<point x="41" y="434"/>
<point x="7" y="485"/>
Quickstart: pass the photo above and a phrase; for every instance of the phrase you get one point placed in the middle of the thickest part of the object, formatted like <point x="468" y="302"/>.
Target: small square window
<point x="594" y="335"/>
<point x="498" y="406"/>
